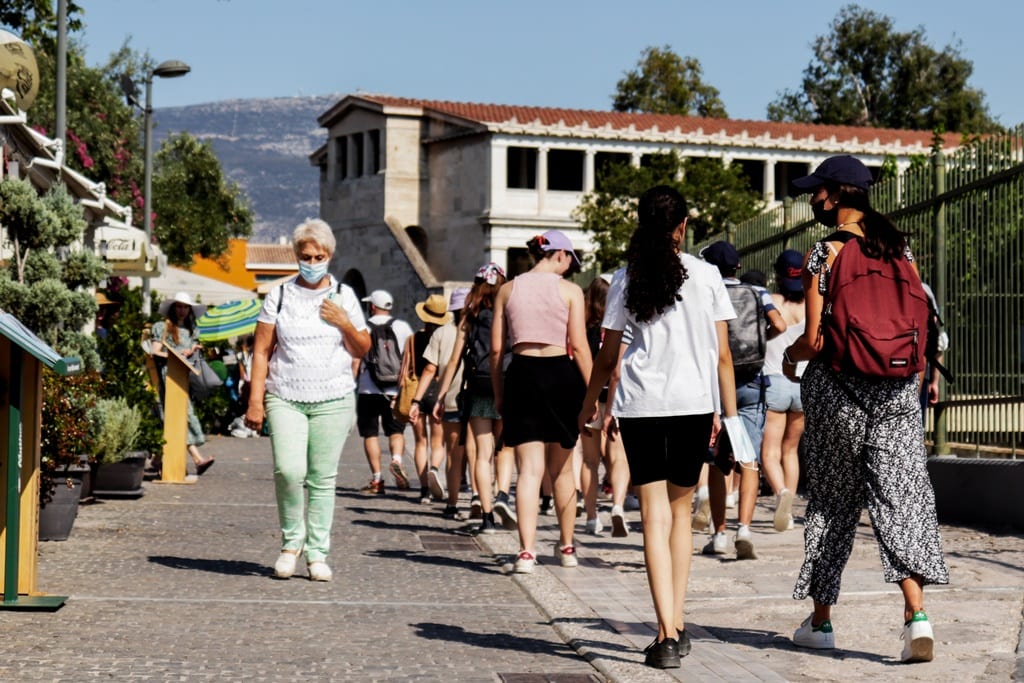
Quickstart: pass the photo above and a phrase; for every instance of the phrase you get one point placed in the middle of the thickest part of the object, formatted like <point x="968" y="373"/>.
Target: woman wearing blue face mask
<point x="305" y="391"/>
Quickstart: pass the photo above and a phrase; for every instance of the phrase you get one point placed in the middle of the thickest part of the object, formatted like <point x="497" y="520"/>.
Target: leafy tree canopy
<point x="865" y="73"/>
<point x="665" y="83"/>
<point x="716" y="194"/>
<point x="198" y="210"/>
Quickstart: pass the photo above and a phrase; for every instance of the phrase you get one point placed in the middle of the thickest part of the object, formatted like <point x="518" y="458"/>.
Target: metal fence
<point x="964" y="213"/>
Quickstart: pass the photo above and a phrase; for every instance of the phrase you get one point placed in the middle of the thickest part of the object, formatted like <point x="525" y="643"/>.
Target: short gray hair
<point x="314" y="230"/>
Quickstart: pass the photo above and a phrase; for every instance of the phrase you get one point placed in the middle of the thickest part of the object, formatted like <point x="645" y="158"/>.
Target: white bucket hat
<point x="181" y="298"/>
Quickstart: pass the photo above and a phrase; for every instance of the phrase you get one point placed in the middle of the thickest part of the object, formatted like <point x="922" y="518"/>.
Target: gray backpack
<point x="748" y="334"/>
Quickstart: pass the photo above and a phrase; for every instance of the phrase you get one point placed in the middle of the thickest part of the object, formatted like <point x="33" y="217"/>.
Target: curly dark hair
<point x="654" y="273"/>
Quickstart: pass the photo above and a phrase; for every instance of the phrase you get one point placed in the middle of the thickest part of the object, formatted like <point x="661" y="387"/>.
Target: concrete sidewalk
<point x="176" y="586"/>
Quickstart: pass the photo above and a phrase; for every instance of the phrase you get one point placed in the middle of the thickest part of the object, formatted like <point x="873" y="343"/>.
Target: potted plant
<point x="65" y="436"/>
<point x="116" y="428"/>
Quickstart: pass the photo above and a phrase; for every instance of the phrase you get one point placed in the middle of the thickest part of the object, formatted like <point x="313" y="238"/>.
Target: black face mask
<point x="827" y="217"/>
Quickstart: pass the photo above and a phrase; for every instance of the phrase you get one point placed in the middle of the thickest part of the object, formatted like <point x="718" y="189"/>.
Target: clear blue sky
<point x="551" y="53"/>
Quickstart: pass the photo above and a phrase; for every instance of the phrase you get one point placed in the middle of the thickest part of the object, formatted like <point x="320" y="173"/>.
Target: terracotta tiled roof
<point x="500" y="114"/>
<point x="270" y="254"/>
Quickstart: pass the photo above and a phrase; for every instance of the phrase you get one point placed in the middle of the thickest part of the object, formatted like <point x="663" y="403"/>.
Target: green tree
<point x="865" y="73"/>
<point x="35" y="21"/>
<point x="716" y="194"/>
<point x="48" y="283"/>
<point x="198" y="210"/>
<point x="665" y="83"/>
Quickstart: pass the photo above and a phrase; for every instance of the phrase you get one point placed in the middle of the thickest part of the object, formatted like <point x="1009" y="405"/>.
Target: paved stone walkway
<point x="176" y="586"/>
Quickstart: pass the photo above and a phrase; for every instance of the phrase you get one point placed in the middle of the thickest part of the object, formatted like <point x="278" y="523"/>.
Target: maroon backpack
<point x="876" y="315"/>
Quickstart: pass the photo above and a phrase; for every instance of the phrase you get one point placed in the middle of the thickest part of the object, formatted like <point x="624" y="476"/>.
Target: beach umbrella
<point x="233" y="319"/>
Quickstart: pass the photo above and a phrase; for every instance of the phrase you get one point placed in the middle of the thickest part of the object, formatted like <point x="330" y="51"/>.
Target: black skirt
<point x="543" y="398"/>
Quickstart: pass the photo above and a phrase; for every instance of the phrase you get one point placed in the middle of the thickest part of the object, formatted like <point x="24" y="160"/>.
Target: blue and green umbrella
<point x="233" y="319"/>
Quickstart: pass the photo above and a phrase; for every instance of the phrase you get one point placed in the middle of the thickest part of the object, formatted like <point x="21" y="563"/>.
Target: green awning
<point x="12" y="328"/>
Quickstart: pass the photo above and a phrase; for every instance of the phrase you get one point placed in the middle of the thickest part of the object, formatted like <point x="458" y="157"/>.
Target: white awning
<point x="204" y="290"/>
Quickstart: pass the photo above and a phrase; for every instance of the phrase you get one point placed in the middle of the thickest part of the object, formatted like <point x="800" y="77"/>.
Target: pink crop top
<point x="535" y="311"/>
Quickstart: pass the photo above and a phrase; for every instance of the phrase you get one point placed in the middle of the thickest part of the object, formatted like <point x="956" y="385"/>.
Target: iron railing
<point x="964" y="213"/>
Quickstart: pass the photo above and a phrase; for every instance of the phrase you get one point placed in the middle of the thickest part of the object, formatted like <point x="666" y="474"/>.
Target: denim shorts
<point x="783" y="395"/>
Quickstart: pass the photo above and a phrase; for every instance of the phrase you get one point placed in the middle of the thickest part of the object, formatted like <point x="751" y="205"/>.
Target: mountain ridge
<point x="263" y="144"/>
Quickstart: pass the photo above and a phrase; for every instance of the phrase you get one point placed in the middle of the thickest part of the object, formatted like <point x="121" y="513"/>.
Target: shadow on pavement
<point x="772" y="640"/>
<point x="498" y="641"/>
<point x="438" y="560"/>
<point x="232" y="567"/>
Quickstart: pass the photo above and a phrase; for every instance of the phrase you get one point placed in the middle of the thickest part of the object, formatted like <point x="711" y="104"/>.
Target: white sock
<point x="396" y="457"/>
<point x="702" y="492"/>
<point x="376" y="476"/>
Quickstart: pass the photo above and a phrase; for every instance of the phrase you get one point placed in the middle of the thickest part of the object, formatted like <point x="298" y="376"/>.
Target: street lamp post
<point x="172" y="68"/>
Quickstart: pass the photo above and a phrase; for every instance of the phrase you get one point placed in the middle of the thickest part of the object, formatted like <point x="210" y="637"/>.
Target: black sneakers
<point x="505" y="511"/>
<point x="663" y="654"/>
<point x="487" y="525"/>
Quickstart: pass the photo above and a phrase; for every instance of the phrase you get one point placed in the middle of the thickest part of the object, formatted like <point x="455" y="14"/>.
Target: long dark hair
<point x="593" y="301"/>
<point x="654" y="272"/>
<point x="481" y="296"/>
<point x="882" y="239"/>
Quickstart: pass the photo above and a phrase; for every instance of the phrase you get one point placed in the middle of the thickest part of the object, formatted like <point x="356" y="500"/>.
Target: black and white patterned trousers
<point x="865" y="446"/>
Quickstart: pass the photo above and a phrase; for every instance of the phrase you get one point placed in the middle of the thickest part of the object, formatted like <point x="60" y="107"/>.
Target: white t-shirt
<point x="402" y="333"/>
<point x="671" y="364"/>
<point x="310" y="363"/>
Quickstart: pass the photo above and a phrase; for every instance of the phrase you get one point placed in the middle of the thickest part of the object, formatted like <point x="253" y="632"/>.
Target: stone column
<point x="542" y="179"/>
<point x="769" y="181"/>
<point x="588" y="171"/>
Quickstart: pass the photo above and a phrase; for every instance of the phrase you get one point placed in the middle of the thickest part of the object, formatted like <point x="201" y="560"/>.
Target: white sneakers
<point x="818" y="637"/>
<point x="744" y="544"/>
<point x="783" y="508"/>
<point x="701" y="513"/>
<point x="525" y="562"/>
<point x="619" y="527"/>
<point x="319" y="571"/>
<point x="284" y="568"/>
<point x="718" y="545"/>
<point x="918" y="641"/>
<point x="566" y="554"/>
<point x="594" y="526"/>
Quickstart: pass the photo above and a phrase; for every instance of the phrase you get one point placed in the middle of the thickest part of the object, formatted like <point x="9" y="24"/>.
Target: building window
<point x="518" y="262"/>
<point x="341" y="156"/>
<point x="754" y="171"/>
<point x="660" y="163"/>
<point x="605" y="163"/>
<point x="375" y="160"/>
<point x="357" y="161"/>
<point x="522" y="168"/>
<point x="565" y="170"/>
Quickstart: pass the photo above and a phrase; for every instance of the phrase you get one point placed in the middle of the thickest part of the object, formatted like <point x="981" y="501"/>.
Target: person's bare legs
<point x="197" y="457"/>
<point x="749" y="484"/>
<point x="668" y="544"/>
<point x="618" y="469"/>
<point x="717" y="493"/>
<point x="771" y="450"/>
<point x="530" y="456"/>
<point x="371" y="446"/>
<point x="456" y="460"/>
<point x="419" y="449"/>
<point x="791" y="450"/>
<point x="484" y="437"/>
<point x="563" y="481"/>
<point x="437" y="448"/>
<point x="591" y="444"/>
<point x="913" y="596"/>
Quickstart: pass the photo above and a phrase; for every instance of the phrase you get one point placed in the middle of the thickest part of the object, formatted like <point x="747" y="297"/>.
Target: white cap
<point x="381" y="299"/>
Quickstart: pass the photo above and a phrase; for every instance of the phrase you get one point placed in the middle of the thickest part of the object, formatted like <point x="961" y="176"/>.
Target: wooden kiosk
<point x="176" y="419"/>
<point x="22" y="357"/>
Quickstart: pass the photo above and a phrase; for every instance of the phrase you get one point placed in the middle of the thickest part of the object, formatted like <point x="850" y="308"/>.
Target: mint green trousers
<point x="306" y="439"/>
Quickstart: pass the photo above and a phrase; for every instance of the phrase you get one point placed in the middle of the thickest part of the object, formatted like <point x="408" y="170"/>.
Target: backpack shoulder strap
<point x="280" y="297"/>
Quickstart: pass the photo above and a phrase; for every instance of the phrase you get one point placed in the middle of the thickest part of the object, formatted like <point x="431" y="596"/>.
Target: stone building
<point x="420" y="193"/>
